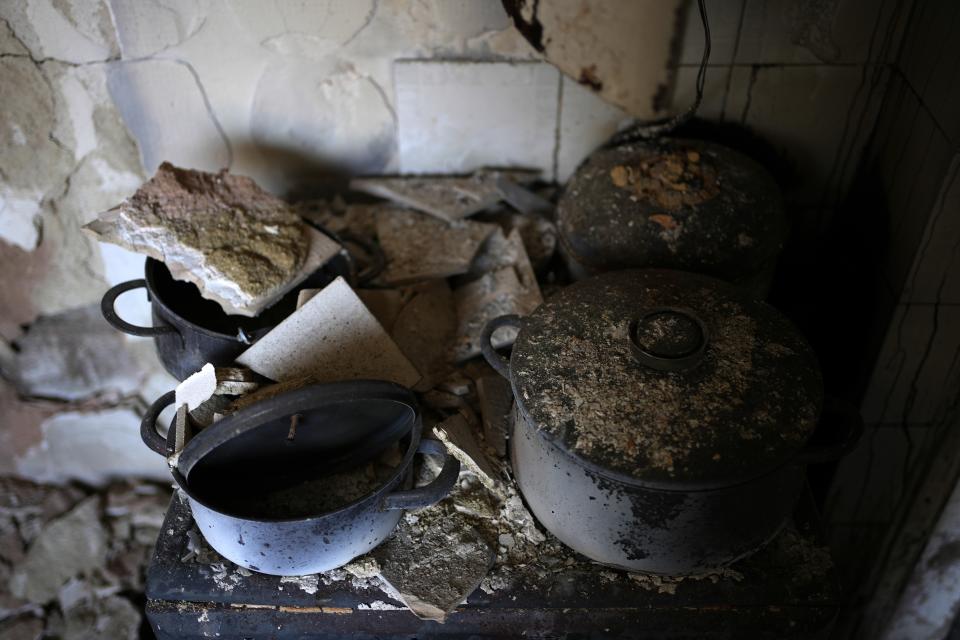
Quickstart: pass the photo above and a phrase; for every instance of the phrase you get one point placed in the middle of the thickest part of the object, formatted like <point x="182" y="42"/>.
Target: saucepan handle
<point x="431" y="493"/>
<point x="108" y="304"/>
<point x="378" y="260"/>
<point x="500" y="364"/>
<point x="837" y="414"/>
<point x="148" y="426"/>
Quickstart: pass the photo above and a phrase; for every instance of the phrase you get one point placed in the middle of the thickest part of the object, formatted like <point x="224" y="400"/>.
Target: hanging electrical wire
<point x="657" y="128"/>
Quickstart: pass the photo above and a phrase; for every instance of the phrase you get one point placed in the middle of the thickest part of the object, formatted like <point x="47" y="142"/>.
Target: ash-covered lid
<point x="673" y="203"/>
<point x="667" y="378"/>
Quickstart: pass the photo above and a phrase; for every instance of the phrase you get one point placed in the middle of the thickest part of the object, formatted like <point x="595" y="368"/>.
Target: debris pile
<point x="240" y="246"/>
<point x="72" y="563"/>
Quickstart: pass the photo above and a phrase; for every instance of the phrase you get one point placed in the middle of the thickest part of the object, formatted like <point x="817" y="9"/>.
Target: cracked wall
<point x="298" y="94"/>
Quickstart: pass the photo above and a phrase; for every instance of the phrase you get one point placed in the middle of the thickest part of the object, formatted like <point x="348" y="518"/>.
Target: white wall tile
<point x="807" y="113"/>
<point x="724" y="19"/>
<point x="917" y="371"/>
<point x="840" y="31"/>
<point x="586" y="122"/>
<point x="935" y="276"/>
<point x="459" y="116"/>
<point x="869" y="482"/>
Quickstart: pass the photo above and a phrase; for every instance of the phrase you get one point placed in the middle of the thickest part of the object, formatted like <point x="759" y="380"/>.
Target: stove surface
<point x="788" y="589"/>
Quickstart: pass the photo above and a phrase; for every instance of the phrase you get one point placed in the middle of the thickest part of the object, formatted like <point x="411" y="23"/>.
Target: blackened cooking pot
<point x="673" y="203"/>
<point x="231" y="470"/>
<point x="190" y="331"/>
<point x="662" y="419"/>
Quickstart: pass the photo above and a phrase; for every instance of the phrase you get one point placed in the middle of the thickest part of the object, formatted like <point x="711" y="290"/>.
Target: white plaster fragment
<point x="331" y="337"/>
<point x="18" y="218"/>
<point x="92" y="448"/>
<point x="197" y="388"/>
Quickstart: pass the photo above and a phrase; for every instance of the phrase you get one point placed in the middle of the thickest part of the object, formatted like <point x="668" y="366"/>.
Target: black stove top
<point x="788" y="589"/>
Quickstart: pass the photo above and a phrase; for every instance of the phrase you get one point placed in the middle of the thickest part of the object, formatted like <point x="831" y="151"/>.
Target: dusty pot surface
<point x="673" y="203"/>
<point x="661" y="418"/>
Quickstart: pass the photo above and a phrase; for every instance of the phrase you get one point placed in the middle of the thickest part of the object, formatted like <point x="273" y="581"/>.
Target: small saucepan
<point x="259" y="481"/>
<point x="190" y="331"/>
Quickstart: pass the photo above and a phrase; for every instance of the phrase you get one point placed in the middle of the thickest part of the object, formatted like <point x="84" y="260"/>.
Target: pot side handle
<point x="107" y="308"/>
<point x="840" y="414"/>
<point x="500" y="364"/>
<point x="431" y="493"/>
<point x="148" y="426"/>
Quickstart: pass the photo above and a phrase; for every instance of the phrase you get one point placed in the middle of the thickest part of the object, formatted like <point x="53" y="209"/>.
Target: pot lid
<point x="299" y="434"/>
<point x="666" y="378"/>
<point x="673" y="203"/>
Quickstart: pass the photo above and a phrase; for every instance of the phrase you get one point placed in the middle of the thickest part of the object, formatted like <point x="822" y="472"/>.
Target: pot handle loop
<point x="841" y="414"/>
<point x="148" y="426"/>
<point x="431" y="493"/>
<point x="500" y="364"/>
<point x="107" y="308"/>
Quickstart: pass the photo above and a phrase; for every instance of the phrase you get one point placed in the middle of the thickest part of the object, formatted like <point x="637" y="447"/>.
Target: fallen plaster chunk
<point x="520" y="198"/>
<point x="332" y="337"/>
<point x="449" y="198"/>
<point x="538" y="233"/>
<point x="496" y="400"/>
<point x="495" y="294"/>
<point x="384" y="304"/>
<point x="459" y="437"/>
<point x="457" y="384"/>
<point x="74" y="544"/>
<point x="211" y="381"/>
<point x="197" y="388"/>
<point x="424" y="331"/>
<point x="419" y="247"/>
<point x="509" y="286"/>
<point x="433" y="569"/>
<point x="241" y="246"/>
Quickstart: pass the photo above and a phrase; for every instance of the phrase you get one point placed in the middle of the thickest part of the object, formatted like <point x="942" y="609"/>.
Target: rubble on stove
<point x="449" y="198"/>
<point x="241" y="246"/>
<point x="71" y="559"/>
<point x="455" y="257"/>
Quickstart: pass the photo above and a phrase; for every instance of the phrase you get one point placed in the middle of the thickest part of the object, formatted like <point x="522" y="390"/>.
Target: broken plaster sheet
<point x="331" y="337"/>
<point x="462" y="442"/>
<point x="449" y="198"/>
<point x="433" y="569"/>
<point x="420" y="247"/>
<point x="241" y="246"/>
<point x="424" y="331"/>
<point x="509" y="286"/>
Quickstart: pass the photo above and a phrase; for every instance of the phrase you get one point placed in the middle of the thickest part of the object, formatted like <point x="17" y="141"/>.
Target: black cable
<point x="657" y="128"/>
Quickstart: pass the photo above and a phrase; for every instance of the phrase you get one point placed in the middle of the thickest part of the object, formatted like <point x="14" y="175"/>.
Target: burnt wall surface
<point x="850" y="103"/>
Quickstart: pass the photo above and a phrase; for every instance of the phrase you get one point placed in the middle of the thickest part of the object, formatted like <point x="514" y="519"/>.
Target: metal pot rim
<point x="361" y="503"/>
<point x="150" y="264"/>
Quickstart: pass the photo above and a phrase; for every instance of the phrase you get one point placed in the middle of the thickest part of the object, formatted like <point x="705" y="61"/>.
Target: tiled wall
<point x="910" y="175"/>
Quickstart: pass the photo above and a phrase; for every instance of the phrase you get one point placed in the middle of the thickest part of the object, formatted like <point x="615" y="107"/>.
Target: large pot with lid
<point x="293" y="484"/>
<point x="662" y="419"/>
<point x="673" y="203"/>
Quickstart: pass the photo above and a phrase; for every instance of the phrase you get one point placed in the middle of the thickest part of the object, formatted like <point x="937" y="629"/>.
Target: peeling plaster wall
<point x="96" y="94"/>
<point x="296" y="94"/>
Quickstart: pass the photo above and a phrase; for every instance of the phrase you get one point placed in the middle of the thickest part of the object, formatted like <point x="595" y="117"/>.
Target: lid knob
<point x="668" y="339"/>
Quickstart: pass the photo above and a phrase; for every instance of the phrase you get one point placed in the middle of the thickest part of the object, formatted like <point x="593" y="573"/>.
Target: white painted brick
<point x="457" y="116"/>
